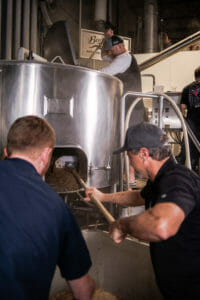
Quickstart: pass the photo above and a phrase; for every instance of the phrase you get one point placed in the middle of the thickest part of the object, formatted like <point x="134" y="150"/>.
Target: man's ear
<point x="46" y="154"/>
<point x="5" y="151"/>
<point x="144" y="153"/>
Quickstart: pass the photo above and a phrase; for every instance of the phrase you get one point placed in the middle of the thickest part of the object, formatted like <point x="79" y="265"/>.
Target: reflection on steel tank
<point x="82" y="105"/>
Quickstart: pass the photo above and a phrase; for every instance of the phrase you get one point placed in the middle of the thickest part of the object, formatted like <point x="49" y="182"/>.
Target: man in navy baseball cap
<point x="170" y="222"/>
<point x="112" y="41"/>
<point x="143" y="135"/>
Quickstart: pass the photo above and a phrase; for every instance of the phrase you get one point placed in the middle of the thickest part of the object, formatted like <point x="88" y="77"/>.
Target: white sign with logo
<point x="91" y="43"/>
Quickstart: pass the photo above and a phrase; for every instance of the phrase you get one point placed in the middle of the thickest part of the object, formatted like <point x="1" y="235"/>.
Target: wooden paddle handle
<point x="100" y="206"/>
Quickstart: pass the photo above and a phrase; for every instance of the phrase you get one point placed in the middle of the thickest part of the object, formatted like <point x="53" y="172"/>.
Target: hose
<point x="177" y="110"/>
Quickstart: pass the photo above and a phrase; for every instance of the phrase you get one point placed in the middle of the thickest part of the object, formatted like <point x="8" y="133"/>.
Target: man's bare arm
<point x="82" y="288"/>
<point x="154" y="225"/>
<point x="128" y="198"/>
<point x="183" y="108"/>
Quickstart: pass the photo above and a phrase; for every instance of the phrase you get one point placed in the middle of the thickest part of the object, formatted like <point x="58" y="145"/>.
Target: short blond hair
<point x="30" y="133"/>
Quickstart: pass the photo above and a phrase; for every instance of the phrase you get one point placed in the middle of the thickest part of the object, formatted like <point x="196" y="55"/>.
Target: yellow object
<point x="99" y="294"/>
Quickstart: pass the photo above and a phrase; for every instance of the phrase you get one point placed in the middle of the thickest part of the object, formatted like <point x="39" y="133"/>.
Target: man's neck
<point x="33" y="162"/>
<point x="155" y="167"/>
<point x="122" y="52"/>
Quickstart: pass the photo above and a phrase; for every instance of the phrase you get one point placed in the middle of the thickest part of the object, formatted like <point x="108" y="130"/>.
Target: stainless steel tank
<point x="82" y="105"/>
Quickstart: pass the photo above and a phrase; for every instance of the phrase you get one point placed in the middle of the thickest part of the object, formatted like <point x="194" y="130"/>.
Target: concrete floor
<point x="123" y="269"/>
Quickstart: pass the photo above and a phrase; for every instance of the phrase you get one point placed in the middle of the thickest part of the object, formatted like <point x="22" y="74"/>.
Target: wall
<point x="173" y="73"/>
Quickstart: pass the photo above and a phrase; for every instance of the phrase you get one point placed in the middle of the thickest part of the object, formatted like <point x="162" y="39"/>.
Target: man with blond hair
<point x="38" y="230"/>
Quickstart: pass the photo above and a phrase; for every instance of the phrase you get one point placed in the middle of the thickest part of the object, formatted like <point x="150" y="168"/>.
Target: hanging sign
<point x="91" y="43"/>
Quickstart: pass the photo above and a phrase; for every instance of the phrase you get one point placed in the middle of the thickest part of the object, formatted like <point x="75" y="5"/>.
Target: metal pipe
<point x="150" y="26"/>
<point x="26" y="24"/>
<point x="80" y="24"/>
<point x="128" y="115"/>
<point x="100" y="10"/>
<point x="17" y="27"/>
<point x="160" y="112"/>
<point x="9" y="23"/>
<point x="153" y="78"/>
<point x="33" y="37"/>
<point x="177" y="110"/>
<point x="169" y="51"/>
<point x="0" y="29"/>
<point x="122" y="132"/>
<point x="153" y="96"/>
<point x="109" y="10"/>
<point x="192" y="136"/>
<point x="139" y="33"/>
<point x="100" y="14"/>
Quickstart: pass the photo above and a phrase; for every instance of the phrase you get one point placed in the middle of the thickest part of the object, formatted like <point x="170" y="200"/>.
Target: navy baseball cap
<point x="143" y="135"/>
<point x="112" y="41"/>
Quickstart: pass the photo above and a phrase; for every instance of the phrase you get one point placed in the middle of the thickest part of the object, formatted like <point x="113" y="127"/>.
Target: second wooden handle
<point x="100" y="206"/>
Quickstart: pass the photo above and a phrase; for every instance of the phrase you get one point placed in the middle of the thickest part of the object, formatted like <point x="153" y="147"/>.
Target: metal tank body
<point x="82" y="105"/>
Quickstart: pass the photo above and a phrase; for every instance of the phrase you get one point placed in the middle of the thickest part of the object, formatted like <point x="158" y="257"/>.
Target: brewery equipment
<point x="163" y="112"/>
<point x="82" y="105"/>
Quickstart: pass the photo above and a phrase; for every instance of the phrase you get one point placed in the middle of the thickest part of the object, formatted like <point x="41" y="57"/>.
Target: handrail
<point x="169" y="51"/>
<point x="152" y="96"/>
<point x="192" y="136"/>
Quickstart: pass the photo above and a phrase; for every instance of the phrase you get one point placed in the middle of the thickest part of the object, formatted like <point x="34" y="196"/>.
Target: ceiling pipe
<point x="100" y="14"/>
<point x="17" y="28"/>
<point x="109" y="11"/>
<point x="26" y="24"/>
<point x="80" y="26"/>
<point x="9" y="25"/>
<point x="150" y="26"/>
<point x="139" y="31"/>
<point x="0" y="29"/>
<point x="34" y="14"/>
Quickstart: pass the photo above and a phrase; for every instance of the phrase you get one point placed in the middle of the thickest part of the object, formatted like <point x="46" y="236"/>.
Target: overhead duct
<point x="150" y="26"/>
<point x="100" y="14"/>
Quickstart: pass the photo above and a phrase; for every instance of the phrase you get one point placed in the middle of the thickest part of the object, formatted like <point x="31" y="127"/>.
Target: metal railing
<point x="170" y="51"/>
<point x="124" y="126"/>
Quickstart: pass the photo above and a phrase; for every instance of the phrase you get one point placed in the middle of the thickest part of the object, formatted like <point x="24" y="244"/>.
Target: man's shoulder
<point x="125" y="55"/>
<point x="14" y="165"/>
<point x="181" y="175"/>
<point x="194" y="84"/>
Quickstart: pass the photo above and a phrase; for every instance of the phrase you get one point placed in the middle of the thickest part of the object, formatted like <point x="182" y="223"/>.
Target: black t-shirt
<point x="191" y="98"/>
<point x="177" y="259"/>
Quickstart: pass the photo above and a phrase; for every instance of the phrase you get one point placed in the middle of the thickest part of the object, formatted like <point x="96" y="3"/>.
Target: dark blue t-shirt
<point x="37" y="232"/>
<point x="177" y="259"/>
